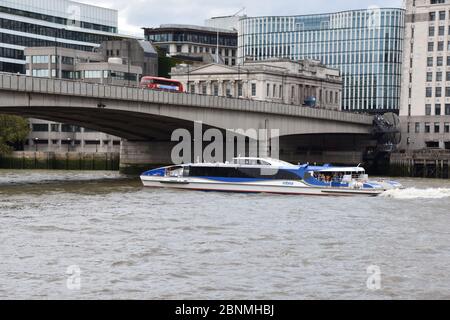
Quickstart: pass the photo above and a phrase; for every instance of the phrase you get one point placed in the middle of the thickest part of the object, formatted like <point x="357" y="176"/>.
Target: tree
<point x="166" y="63"/>
<point x="12" y="130"/>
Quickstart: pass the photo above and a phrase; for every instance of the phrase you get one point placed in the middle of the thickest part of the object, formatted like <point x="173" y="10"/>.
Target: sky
<point x="135" y="14"/>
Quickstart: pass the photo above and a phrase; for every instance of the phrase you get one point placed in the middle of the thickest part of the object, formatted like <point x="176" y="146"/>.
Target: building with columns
<point x="305" y="82"/>
<point x="425" y="96"/>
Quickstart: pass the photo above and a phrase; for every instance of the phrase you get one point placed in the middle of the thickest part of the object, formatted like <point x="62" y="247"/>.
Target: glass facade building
<point x="366" y="45"/>
<point x="46" y="23"/>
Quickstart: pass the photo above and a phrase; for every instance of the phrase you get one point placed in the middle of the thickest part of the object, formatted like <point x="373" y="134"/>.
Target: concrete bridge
<point x="145" y="119"/>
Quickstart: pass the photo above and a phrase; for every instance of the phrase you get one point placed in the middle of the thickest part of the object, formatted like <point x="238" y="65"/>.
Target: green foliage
<point x="165" y="63"/>
<point x="12" y="129"/>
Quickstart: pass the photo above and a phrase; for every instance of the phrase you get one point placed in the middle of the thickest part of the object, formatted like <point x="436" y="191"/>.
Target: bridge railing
<point x="24" y="83"/>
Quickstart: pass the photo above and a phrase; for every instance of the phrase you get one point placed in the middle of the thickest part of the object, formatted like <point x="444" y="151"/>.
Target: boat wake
<point x="414" y="193"/>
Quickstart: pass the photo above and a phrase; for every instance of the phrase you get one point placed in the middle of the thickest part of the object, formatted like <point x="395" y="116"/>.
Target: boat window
<point x="174" y="172"/>
<point x="339" y="176"/>
<point x="239" y="172"/>
<point x="328" y="177"/>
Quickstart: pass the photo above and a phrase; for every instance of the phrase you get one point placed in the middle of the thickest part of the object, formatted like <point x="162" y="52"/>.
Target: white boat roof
<point x="239" y="161"/>
<point x="341" y="169"/>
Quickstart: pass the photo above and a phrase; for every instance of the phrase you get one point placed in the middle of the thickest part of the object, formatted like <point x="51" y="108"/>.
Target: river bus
<point x="265" y="175"/>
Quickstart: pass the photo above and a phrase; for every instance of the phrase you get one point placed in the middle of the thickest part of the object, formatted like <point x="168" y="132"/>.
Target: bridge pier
<point x="137" y="157"/>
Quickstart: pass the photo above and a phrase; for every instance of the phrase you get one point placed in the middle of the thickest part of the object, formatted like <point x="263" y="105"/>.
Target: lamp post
<point x="36" y="140"/>
<point x="188" y="85"/>
<point x="69" y="141"/>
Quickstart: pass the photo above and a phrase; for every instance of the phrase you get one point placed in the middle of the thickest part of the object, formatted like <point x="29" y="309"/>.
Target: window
<point x="430" y="46"/>
<point x="204" y="89"/>
<point x="253" y="89"/>
<point x="432" y="16"/>
<point x="54" y="127"/>
<point x="240" y="90"/>
<point x="431" y="31"/>
<point x="437" y="127"/>
<point x="437" y="109"/>
<point x="192" y="86"/>
<point x="428" y="109"/>
<point x="441" y="15"/>
<point x="417" y="127"/>
<point x="447" y="109"/>
<point x="432" y="144"/>
<point x="448" y="61"/>
<point x="429" y="76"/>
<point x="429" y="92"/>
<point x="440" y="61"/>
<point x="216" y="90"/>
<point x="268" y="90"/>
<point x="179" y="48"/>
<point x="441" y="31"/>
<point x="438" y="93"/>
<point x="44" y="73"/>
<point x="40" y="127"/>
<point x="281" y="91"/>
<point x="447" y="127"/>
<point x="440" y="46"/>
<point x="427" y="127"/>
<point x="438" y="76"/>
<point x="447" y="91"/>
<point x="447" y="76"/>
<point x="67" y="60"/>
<point x="430" y="61"/>
<point x="40" y="59"/>
<point x="67" y="128"/>
<point x="92" y="74"/>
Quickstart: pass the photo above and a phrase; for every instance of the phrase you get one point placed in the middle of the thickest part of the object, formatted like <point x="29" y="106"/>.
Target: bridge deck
<point x="27" y="84"/>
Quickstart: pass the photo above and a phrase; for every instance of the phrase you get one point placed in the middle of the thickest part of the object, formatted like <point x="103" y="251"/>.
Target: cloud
<point x="135" y="14"/>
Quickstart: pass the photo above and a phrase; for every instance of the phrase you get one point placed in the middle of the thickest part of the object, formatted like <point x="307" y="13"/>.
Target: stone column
<point x="221" y="93"/>
<point x="208" y="88"/>
<point x="245" y="89"/>
<point x="197" y="87"/>
<point x="233" y="88"/>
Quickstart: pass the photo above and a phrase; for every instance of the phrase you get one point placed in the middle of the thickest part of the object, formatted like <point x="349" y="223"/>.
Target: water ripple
<point x="135" y="243"/>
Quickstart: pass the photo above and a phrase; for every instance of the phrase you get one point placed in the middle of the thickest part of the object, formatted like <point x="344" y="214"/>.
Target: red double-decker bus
<point x="156" y="83"/>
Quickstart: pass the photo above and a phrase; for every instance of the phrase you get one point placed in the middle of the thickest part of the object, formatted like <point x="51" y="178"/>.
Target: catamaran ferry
<point x="264" y="175"/>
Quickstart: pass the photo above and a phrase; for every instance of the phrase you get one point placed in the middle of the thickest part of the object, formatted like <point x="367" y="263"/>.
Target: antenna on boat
<point x="359" y="165"/>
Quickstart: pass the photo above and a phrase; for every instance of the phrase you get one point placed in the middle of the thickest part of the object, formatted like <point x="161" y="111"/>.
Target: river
<point x="99" y="235"/>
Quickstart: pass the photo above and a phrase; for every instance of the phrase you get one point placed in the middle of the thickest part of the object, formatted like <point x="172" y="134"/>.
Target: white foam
<point x="414" y="193"/>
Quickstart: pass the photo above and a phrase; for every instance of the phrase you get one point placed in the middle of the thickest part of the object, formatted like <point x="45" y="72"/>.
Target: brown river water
<point x="99" y="235"/>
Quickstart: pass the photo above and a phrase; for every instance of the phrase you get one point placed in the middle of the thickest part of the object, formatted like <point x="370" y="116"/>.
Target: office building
<point x="366" y="45"/>
<point x="118" y="62"/>
<point x="45" y="23"/>
<point x="281" y="81"/>
<point x="195" y="43"/>
<point x="425" y="104"/>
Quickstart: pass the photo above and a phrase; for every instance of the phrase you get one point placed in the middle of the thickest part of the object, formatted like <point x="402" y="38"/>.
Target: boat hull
<point x="277" y="187"/>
